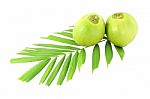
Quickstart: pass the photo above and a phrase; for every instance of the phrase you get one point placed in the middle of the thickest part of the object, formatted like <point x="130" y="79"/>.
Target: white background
<point x="23" y="22"/>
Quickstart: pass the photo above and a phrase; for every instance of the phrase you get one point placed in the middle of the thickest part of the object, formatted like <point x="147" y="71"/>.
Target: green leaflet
<point x="64" y="70"/>
<point x="26" y="59"/>
<point x="58" y="46"/>
<point x="81" y="58"/>
<point x="72" y="66"/>
<point x="69" y="30"/>
<point x="44" y="50"/>
<point x="60" y="39"/>
<point x="95" y="57"/>
<point x="49" y="50"/>
<point x="31" y="73"/>
<point x="55" y="72"/>
<point x="120" y="51"/>
<point x="108" y="52"/>
<point x="65" y="34"/>
<point x="48" y="70"/>
<point x="40" y="54"/>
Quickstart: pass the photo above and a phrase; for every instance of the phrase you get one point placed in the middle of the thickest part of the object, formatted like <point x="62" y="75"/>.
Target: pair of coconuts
<point x="120" y="29"/>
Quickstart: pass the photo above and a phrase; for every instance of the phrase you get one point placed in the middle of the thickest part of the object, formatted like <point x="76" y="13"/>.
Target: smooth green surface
<point x="121" y="31"/>
<point x="72" y="66"/>
<point x="108" y="52"/>
<point x="86" y="33"/>
<point x="95" y="57"/>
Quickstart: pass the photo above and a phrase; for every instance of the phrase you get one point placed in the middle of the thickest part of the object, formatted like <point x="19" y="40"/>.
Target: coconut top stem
<point x="117" y="15"/>
<point x="94" y="19"/>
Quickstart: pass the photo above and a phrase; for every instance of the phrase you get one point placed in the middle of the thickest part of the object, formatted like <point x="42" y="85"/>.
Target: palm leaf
<point x="69" y="30"/>
<point x="26" y="59"/>
<point x="31" y="73"/>
<point x="40" y="54"/>
<point x="108" y="52"/>
<point x="60" y="39"/>
<point x="95" y="57"/>
<point x="43" y="50"/>
<point x="46" y="51"/>
<point x="58" y="46"/>
<point x="65" y="34"/>
<point x="120" y="51"/>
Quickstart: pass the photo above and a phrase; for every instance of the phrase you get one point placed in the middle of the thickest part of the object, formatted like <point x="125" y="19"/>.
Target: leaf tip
<point x="107" y="65"/>
<point x="122" y="57"/>
<point x="44" y="37"/>
<point x="12" y="61"/>
<point x="79" y="69"/>
<point x="47" y="84"/>
<point x="41" y="82"/>
<point x="93" y="69"/>
<point x="58" y="83"/>
<point x="69" y="78"/>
